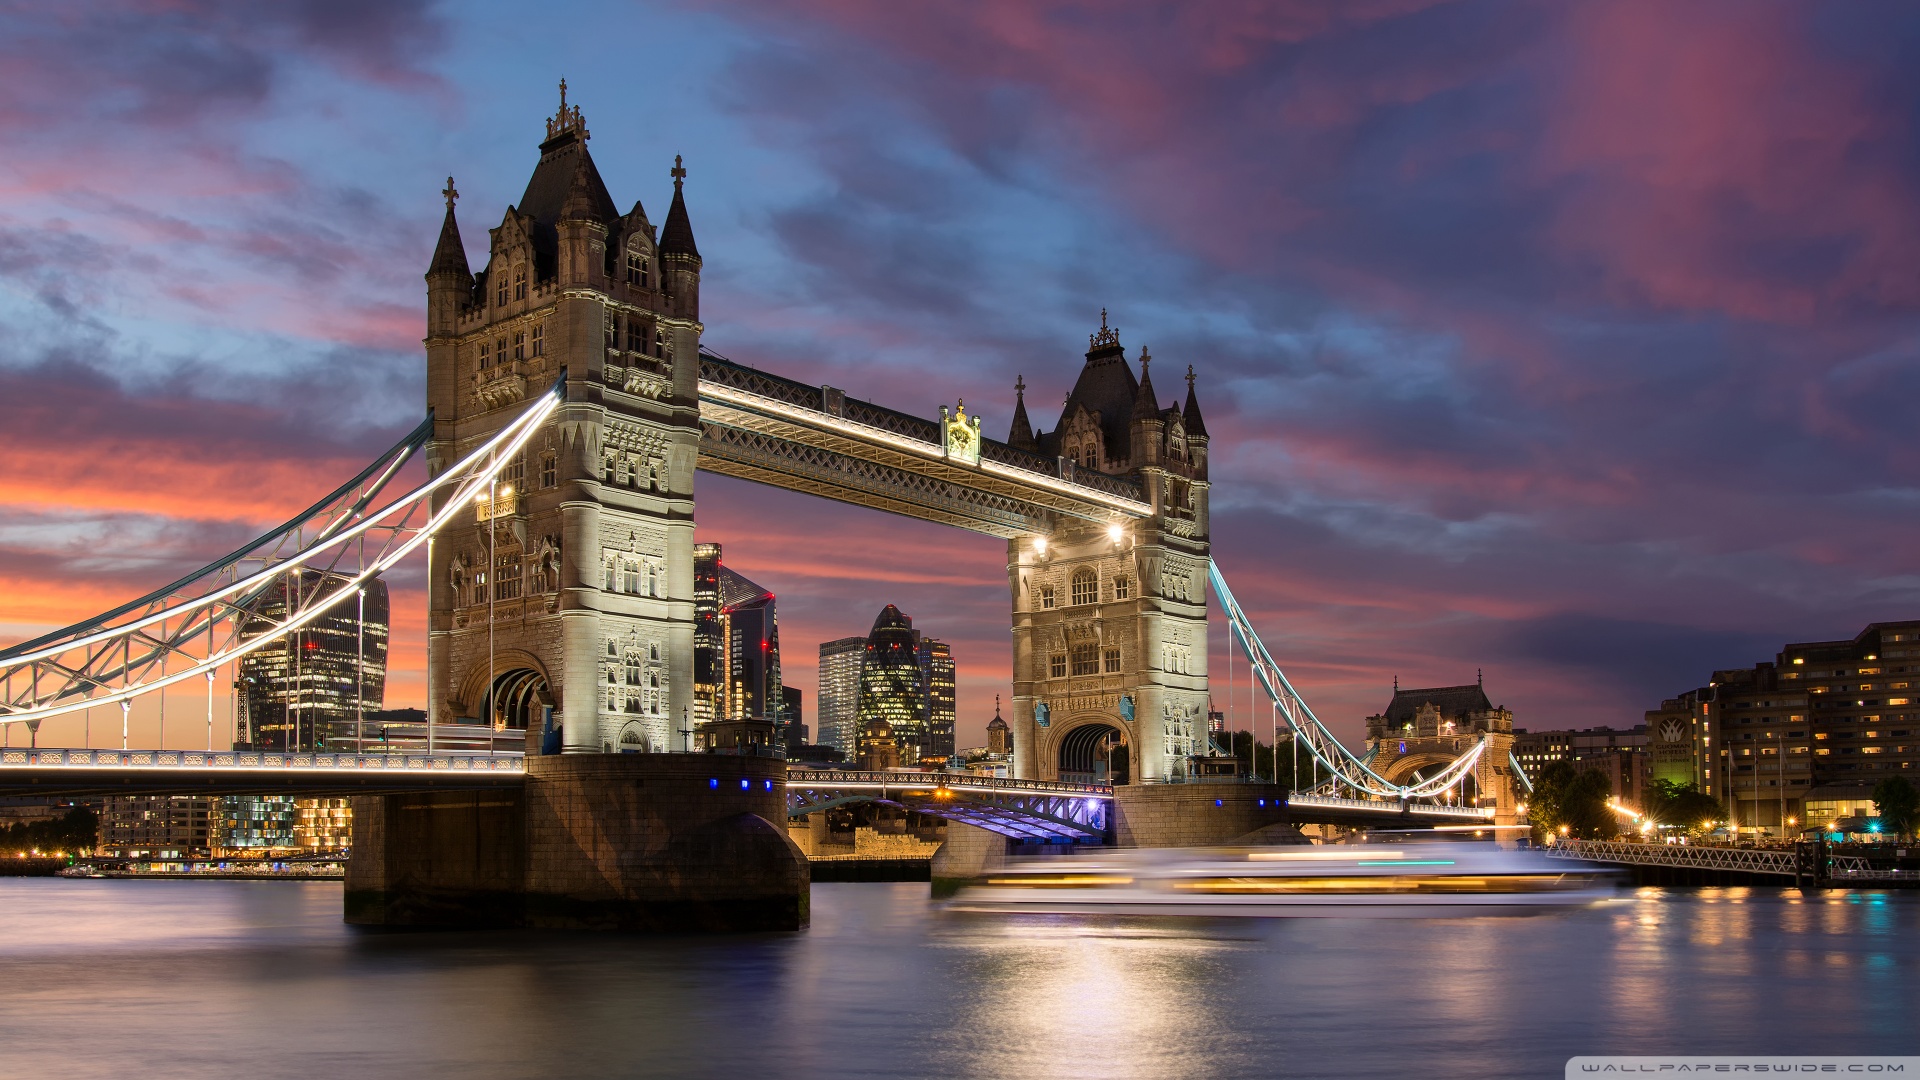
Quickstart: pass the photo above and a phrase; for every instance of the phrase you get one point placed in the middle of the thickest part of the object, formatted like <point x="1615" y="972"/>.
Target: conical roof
<point x="1145" y="406"/>
<point x="1020" y="436"/>
<point x="1196" y="427"/>
<point x="676" y="236"/>
<point x="450" y="255"/>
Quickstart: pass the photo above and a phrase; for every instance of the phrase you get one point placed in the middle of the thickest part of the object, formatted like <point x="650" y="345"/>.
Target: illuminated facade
<point x="890" y="685"/>
<point x="837" y="705"/>
<point x="736" y="644"/>
<point x="1786" y="741"/>
<point x="937" y="685"/>
<point x="307" y="690"/>
<point x="570" y="587"/>
<point x="1109" y="619"/>
<point x="158" y="826"/>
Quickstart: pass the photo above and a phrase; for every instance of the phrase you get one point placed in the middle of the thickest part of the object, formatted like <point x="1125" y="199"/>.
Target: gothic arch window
<point x="660" y="343"/>
<point x="1046" y="596"/>
<point x="636" y="335"/>
<point x="1086" y="587"/>
<point x="653" y="651"/>
<point x="486" y="354"/>
<point x="500" y="294"/>
<point x="539" y="339"/>
<point x="519" y="283"/>
<point x="1122" y="587"/>
<point x="638" y="272"/>
<point x="519" y="344"/>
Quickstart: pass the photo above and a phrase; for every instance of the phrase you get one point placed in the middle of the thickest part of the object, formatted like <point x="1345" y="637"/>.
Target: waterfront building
<point x="837" y="705"/>
<point x="255" y="825"/>
<point x="736" y="645"/>
<point x="157" y="826"/>
<point x="1623" y="755"/>
<point x="1803" y="738"/>
<point x="941" y="705"/>
<point x="309" y="689"/>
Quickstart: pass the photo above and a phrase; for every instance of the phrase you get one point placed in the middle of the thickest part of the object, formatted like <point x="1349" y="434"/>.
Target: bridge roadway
<point x="1021" y="809"/>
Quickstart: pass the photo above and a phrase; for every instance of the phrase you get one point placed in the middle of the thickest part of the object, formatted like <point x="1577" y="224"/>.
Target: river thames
<point x="261" y="980"/>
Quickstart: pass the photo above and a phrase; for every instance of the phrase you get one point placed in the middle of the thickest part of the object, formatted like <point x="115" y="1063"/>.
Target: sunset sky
<point x="1571" y="342"/>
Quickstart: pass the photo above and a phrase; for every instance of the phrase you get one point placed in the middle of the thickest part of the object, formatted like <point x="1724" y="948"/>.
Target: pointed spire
<point x="676" y="236"/>
<point x="450" y="255"/>
<point x="1196" y="427"/>
<point x="1145" y="405"/>
<point x="1106" y="337"/>
<point x="566" y="122"/>
<point x="1021" y="435"/>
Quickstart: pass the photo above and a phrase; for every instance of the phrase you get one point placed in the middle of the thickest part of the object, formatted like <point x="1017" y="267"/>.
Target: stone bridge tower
<point x="572" y="587"/>
<point x="1110" y="620"/>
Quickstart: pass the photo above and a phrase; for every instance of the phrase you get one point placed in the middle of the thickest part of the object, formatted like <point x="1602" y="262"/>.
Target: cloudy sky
<point x="1575" y="343"/>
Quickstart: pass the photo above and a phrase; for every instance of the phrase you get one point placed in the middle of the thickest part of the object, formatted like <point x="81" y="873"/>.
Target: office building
<point x="157" y="826"/>
<point x="736" y="644"/>
<point x="795" y="731"/>
<point x="837" y="705"/>
<point x="891" y="688"/>
<point x="936" y="681"/>
<point x="308" y="689"/>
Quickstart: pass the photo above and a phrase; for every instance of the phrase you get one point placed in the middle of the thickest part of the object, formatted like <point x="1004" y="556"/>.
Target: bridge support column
<point x="648" y="842"/>
<point x="969" y="852"/>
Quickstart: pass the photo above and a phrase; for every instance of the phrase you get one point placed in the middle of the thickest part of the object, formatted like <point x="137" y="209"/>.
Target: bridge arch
<point x="514" y="695"/>
<point x="1403" y="770"/>
<point x="1093" y="751"/>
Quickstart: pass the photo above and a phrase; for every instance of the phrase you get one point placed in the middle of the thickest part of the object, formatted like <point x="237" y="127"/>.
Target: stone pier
<point x="639" y="842"/>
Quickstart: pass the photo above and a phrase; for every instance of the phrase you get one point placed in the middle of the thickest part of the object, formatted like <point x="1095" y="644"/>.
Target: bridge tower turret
<point x="571" y="587"/>
<point x="1109" y="619"/>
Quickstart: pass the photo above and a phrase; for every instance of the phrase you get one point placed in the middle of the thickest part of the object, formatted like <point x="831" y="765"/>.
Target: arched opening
<point x="516" y="699"/>
<point x="1095" y="754"/>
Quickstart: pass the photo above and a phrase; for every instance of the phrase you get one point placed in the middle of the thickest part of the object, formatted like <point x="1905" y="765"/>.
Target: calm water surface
<point x="260" y="980"/>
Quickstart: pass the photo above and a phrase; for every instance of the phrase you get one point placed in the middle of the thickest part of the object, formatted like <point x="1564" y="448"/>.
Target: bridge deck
<point x="79" y="773"/>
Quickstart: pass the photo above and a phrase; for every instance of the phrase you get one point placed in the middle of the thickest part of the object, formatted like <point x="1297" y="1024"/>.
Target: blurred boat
<point x="1405" y="880"/>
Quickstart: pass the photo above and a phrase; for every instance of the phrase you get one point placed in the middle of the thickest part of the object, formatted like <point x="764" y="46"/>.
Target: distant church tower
<point x="572" y="588"/>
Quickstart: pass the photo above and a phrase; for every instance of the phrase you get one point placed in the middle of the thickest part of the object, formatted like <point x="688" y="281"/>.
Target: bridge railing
<point x="831" y="777"/>
<point x="252" y="760"/>
<point x="1334" y="802"/>
<point x="1711" y="857"/>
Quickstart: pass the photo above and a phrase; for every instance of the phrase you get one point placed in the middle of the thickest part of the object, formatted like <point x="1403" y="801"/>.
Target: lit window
<point x="1057" y="665"/>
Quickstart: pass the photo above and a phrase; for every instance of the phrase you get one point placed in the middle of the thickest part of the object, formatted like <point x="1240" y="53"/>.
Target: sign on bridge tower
<point x="569" y="587"/>
<point x="1109" y="619"/>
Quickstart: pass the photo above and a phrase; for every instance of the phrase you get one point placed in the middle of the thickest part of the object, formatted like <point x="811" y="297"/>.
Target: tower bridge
<point x="571" y="402"/>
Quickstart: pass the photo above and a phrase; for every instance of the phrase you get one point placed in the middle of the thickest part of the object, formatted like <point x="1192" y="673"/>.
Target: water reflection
<point x="117" y="978"/>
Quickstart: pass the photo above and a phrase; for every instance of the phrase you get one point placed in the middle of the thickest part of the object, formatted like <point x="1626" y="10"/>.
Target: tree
<point x="1898" y="803"/>
<point x="1683" y="806"/>
<point x="75" y="832"/>
<point x="1575" y="798"/>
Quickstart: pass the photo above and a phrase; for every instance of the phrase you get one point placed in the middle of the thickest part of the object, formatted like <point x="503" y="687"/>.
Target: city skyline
<point x="1572" y="426"/>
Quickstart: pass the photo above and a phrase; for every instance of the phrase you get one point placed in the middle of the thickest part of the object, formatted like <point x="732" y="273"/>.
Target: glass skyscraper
<point x="736" y="644"/>
<point x="936" y="681"/>
<point x="837" y="705"/>
<point x="890" y="683"/>
<point x="307" y="689"/>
